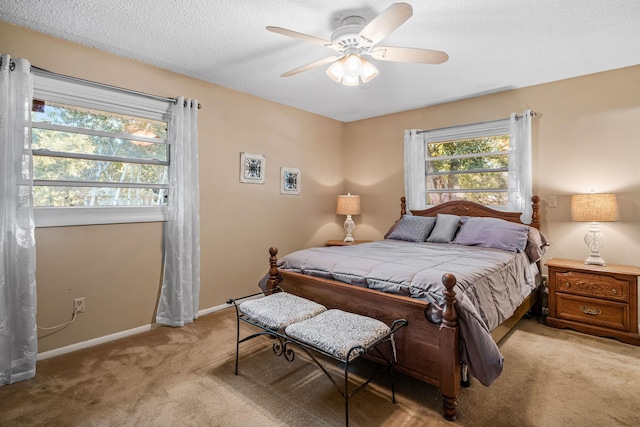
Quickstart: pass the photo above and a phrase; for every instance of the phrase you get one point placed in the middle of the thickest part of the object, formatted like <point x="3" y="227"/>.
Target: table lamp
<point x="348" y="205"/>
<point x="594" y="208"/>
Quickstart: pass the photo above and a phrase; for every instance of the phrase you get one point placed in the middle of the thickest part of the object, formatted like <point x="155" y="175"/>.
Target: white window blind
<point x="100" y="153"/>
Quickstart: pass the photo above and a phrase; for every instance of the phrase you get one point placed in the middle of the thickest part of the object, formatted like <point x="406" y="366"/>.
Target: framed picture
<point x="252" y="168"/>
<point x="289" y="180"/>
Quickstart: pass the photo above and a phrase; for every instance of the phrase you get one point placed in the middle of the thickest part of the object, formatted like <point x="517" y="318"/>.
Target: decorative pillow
<point x="412" y="228"/>
<point x="536" y="244"/>
<point x="393" y="227"/>
<point x="493" y="233"/>
<point x="445" y="228"/>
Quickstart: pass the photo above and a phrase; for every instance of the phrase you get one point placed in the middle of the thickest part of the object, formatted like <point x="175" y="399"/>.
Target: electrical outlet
<point x="553" y="202"/>
<point x="78" y="305"/>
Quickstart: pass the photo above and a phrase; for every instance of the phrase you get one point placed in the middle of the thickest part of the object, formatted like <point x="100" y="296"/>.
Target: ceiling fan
<point x="354" y="40"/>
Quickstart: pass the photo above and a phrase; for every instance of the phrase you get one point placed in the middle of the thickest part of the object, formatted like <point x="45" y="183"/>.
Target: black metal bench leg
<point x="391" y="360"/>
<point x="346" y="392"/>
<point x="237" y="338"/>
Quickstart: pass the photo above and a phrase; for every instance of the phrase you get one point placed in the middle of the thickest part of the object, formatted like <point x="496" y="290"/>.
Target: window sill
<point x="70" y="216"/>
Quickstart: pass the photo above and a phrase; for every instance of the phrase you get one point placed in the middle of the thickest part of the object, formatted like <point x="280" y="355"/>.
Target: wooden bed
<point x="438" y="345"/>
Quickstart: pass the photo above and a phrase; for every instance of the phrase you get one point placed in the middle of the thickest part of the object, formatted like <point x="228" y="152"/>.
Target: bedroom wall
<point x="585" y="138"/>
<point x="117" y="267"/>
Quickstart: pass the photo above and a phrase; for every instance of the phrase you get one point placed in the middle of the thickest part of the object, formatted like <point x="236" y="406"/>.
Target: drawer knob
<point x="614" y="291"/>
<point x="567" y="285"/>
<point x="590" y="310"/>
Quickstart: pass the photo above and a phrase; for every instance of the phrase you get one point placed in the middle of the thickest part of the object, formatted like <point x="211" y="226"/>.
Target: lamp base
<point x="594" y="240"/>
<point x="595" y="260"/>
<point x="349" y="225"/>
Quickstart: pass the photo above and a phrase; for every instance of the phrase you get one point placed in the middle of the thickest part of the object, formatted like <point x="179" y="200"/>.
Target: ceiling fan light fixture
<point x="351" y="80"/>
<point x="369" y="71"/>
<point x="351" y="69"/>
<point x="353" y="65"/>
<point x="336" y="71"/>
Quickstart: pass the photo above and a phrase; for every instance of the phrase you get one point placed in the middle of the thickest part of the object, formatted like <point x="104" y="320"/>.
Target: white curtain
<point x="18" y="334"/>
<point x="520" y="169"/>
<point x="414" y="170"/>
<point x="180" y="294"/>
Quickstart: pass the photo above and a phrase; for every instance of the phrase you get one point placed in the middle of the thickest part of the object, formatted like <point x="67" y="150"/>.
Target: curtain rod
<point x="106" y="86"/>
<point x="531" y="114"/>
<point x="12" y="65"/>
<point x="419" y="131"/>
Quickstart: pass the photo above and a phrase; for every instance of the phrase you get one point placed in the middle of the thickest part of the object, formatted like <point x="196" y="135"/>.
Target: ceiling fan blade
<point x="409" y="54"/>
<point x="311" y="66"/>
<point x="305" y="37"/>
<point x="390" y="19"/>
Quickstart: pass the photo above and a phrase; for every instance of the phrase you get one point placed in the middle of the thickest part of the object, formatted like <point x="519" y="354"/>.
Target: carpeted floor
<point x="184" y="377"/>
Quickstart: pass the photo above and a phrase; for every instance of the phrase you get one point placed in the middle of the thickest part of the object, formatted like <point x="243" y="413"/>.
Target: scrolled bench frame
<point x="283" y="342"/>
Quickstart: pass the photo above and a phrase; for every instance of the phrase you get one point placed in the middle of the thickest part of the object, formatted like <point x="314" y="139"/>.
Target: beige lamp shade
<point x="594" y="208"/>
<point x="348" y="205"/>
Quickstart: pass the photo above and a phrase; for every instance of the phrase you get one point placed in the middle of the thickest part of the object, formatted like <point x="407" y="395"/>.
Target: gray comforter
<point x="491" y="284"/>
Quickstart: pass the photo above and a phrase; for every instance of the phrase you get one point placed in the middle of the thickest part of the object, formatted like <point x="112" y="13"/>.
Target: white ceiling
<point x="493" y="45"/>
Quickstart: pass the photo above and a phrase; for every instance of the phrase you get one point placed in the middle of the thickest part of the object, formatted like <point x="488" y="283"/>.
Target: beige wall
<point x="117" y="268"/>
<point x="585" y="137"/>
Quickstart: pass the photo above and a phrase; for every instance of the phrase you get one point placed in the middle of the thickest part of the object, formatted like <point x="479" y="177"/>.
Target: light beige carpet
<point x="184" y="377"/>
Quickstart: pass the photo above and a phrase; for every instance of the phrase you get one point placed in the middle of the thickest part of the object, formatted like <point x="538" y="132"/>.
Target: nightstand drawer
<point x="595" y="285"/>
<point x="592" y="311"/>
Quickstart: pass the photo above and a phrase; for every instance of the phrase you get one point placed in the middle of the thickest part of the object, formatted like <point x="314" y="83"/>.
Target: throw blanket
<point x="491" y="284"/>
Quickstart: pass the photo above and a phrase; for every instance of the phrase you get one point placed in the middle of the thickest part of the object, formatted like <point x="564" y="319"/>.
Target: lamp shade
<point x="594" y="208"/>
<point x="348" y="205"/>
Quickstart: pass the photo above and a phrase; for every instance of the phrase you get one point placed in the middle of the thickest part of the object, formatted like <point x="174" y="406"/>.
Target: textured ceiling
<point x="493" y="45"/>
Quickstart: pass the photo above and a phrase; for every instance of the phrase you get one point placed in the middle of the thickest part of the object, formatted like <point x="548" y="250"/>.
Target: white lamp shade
<point x="353" y="66"/>
<point x="349" y="80"/>
<point x="336" y="71"/>
<point x="369" y="71"/>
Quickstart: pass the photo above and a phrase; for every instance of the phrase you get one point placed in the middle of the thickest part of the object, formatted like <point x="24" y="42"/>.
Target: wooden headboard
<point x="465" y="208"/>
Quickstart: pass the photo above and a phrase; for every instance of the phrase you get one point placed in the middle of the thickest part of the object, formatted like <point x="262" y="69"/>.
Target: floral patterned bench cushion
<point x="279" y="310"/>
<point x="336" y="332"/>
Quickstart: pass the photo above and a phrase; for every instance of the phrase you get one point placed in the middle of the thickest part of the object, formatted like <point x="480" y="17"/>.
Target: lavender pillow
<point x="493" y="233"/>
<point x="446" y="227"/>
<point x="536" y="244"/>
<point x="412" y="228"/>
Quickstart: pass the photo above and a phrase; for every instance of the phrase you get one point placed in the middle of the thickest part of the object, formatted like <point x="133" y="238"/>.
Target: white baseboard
<point x="117" y="335"/>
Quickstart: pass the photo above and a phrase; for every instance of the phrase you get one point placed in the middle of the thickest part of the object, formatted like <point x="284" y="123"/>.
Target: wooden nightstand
<point x="596" y="300"/>
<point x="341" y="243"/>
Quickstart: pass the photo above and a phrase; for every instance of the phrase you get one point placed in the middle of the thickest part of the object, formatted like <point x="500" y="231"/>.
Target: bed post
<point x="535" y="215"/>
<point x="449" y="350"/>
<point x="403" y="206"/>
<point x="273" y="269"/>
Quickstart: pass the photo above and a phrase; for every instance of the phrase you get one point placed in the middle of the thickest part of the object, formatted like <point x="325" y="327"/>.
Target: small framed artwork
<point x="289" y="180"/>
<point x="252" y="168"/>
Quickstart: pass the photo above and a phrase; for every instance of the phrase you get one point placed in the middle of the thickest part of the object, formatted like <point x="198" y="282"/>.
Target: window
<point x="468" y="163"/>
<point x="100" y="154"/>
<point x="488" y="163"/>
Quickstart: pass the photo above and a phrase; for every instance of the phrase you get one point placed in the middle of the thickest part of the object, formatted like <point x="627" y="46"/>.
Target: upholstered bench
<point x="280" y="309"/>
<point x="309" y="326"/>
